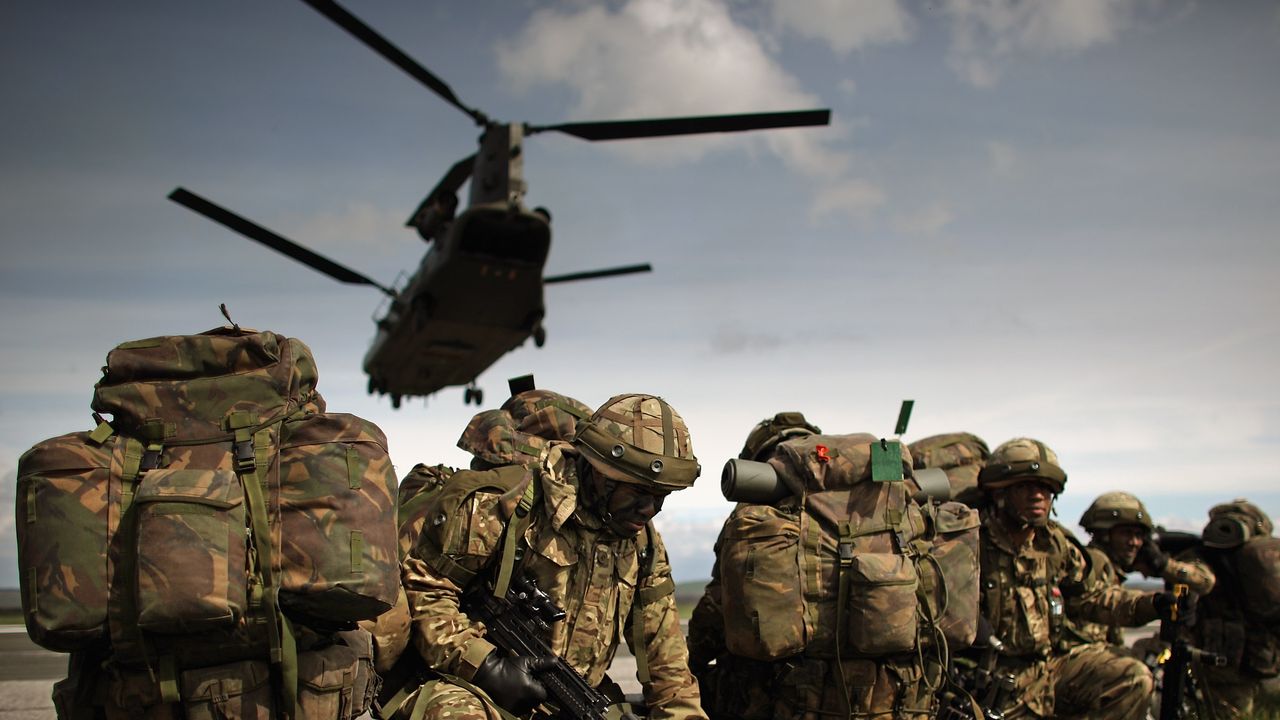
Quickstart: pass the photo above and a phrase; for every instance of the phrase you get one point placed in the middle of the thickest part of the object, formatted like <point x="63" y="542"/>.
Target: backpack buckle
<point x="244" y="456"/>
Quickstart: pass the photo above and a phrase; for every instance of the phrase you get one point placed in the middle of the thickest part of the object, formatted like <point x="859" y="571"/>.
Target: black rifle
<point x="518" y="624"/>
<point x="1176" y="679"/>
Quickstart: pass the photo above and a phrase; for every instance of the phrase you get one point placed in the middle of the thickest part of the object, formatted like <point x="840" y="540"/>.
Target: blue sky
<point x="1051" y="219"/>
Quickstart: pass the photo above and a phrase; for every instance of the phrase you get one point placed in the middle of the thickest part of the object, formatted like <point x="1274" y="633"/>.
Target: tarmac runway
<point x="27" y="674"/>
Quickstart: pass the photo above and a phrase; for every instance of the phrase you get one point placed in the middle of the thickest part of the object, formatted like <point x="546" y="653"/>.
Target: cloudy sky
<point x="1055" y="219"/>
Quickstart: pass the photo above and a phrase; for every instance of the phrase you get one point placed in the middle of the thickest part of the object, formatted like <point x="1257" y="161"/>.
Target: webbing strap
<point x="637" y="641"/>
<point x="515" y="530"/>
<point x="102" y="432"/>
<point x="438" y="561"/>
<point x="133" y="451"/>
<point x="644" y="569"/>
<point x="842" y="599"/>
<point x="419" y="707"/>
<point x="252" y="457"/>
<point x="288" y="669"/>
<point x="354" y="475"/>
<point x="168" y="676"/>
<point x="646" y="596"/>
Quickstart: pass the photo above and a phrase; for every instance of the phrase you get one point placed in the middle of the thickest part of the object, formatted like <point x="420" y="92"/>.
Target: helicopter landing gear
<point x="539" y="335"/>
<point x="473" y="394"/>
<point x="395" y="402"/>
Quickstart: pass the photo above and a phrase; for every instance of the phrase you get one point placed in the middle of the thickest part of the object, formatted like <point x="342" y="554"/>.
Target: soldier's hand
<point x="1151" y="557"/>
<point x="1164" y="603"/>
<point x="511" y="682"/>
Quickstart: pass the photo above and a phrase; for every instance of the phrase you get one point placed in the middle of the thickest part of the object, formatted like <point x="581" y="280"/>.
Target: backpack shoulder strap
<point x="446" y="502"/>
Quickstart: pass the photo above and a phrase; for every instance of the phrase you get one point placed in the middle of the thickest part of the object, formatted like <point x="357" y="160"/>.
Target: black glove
<point x="1152" y="557"/>
<point x="1164" y="603"/>
<point x="511" y="682"/>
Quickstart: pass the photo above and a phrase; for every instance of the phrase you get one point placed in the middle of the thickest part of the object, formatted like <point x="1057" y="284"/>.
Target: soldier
<point x="1031" y="567"/>
<point x="737" y="687"/>
<point x="1120" y="542"/>
<point x="1240" y="619"/>
<point x="589" y="545"/>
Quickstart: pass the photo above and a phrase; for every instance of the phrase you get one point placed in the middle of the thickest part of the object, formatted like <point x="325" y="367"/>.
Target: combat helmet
<point x="1115" y="508"/>
<point x="767" y="433"/>
<point x="639" y="439"/>
<point x="1022" y="459"/>
<point x="1235" y="523"/>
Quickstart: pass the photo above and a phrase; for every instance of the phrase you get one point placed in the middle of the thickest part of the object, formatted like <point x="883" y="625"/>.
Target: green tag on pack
<point x="886" y="461"/>
<point x="904" y="417"/>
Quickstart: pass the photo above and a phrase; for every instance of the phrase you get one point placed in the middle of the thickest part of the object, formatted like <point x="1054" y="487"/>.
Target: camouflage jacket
<point x="1192" y="572"/>
<point x="595" y="577"/>
<point x="1018" y="585"/>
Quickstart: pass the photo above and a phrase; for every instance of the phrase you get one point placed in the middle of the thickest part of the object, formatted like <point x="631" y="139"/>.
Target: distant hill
<point x="10" y="599"/>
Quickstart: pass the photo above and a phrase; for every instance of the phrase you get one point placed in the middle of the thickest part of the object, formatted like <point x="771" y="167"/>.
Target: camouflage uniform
<point x="593" y="574"/>
<point x="1223" y="622"/>
<point x="1027" y="586"/>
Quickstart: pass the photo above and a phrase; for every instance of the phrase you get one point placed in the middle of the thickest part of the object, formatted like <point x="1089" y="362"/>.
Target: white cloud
<point x="986" y="33"/>
<point x="928" y="220"/>
<point x="853" y="199"/>
<point x="654" y="58"/>
<point x="846" y="26"/>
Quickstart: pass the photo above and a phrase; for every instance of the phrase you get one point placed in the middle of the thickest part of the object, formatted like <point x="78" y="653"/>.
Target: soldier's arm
<point x="1087" y="598"/>
<point x="1192" y="572"/>
<point x="706" y="624"/>
<point x="671" y="693"/>
<point x="445" y="637"/>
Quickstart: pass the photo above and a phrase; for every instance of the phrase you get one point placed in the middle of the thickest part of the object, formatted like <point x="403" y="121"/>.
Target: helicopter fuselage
<point x="476" y="296"/>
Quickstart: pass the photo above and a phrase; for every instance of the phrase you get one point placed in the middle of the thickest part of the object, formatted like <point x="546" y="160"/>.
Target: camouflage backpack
<point x="847" y="564"/>
<point x="960" y="455"/>
<point x="220" y="522"/>
<point x="1241" y="616"/>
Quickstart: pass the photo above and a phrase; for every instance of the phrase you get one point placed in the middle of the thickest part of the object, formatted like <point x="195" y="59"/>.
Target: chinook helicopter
<point x="477" y="294"/>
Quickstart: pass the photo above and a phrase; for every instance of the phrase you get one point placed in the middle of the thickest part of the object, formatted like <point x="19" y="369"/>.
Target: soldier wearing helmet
<point x="736" y="687"/>
<point x="1033" y="571"/>
<point x="1120" y="542"/>
<point x="1239" y="620"/>
<point x="587" y="541"/>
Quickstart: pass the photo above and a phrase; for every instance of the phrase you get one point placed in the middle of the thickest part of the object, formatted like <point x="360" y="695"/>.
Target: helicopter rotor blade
<point x="395" y="55"/>
<point x="659" y="127"/>
<point x="592" y="274"/>
<point x="253" y="231"/>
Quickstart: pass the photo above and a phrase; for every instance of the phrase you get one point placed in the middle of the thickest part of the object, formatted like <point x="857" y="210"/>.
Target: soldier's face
<point x="631" y="507"/>
<point x="1124" y="542"/>
<point x="1031" y="502"/>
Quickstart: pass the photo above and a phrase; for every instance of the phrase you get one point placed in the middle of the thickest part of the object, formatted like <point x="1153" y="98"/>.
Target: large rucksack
<point x="846" y="566"/>
<point x="960" y="455"/>
<point x="218" y="528"/>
